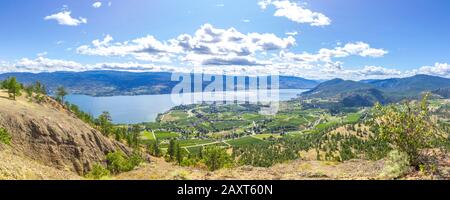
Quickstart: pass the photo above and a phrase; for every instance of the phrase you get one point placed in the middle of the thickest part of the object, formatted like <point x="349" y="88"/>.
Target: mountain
<point x="366" y="93"/>
<point x="111" y="83"/>
<point x="335" y="88"/>
<point x="349" y="93"/>
<point x="49" y="134"/>
<point x="443" y="92"/>
<point x="410" y="86"/>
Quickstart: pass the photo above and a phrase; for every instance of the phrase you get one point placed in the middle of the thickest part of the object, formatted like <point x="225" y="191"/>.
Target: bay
<point x="144" y="108"/>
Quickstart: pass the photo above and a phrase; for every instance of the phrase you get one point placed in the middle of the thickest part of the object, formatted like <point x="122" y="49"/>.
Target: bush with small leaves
<point x="216" y="158"/>
<point x="397" y="165"/>
<point x="5" y="137"/>
<point x="409" y="127"/>
<point x="98" y="172"/>
<point x="118" y="162"/>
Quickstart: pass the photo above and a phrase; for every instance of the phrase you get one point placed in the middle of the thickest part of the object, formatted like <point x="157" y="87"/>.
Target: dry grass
<point x="15" y="167"/>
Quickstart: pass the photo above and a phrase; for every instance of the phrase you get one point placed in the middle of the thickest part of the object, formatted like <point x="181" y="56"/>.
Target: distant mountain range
<point x="367" y="92"/>
<point x="349" y="93"/>
<point x="111" y="83"/>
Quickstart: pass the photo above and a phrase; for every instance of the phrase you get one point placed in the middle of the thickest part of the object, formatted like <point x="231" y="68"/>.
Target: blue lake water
<point x="144" y="108"/>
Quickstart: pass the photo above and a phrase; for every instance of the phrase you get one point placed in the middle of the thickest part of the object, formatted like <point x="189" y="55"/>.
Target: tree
<point x="216" y="158"/>
<point x="153" y="148"/>
<point x="61" y="93"/>
<point x="172" y="149"/>
<point x="178" y="154"/>
<point x="40" y="91"/>
<point x="408" y="127"/>
<point x="14" y="88"/>
<point x="29" y="92"/>
<point x="104" y="122"/>
<point x="39" y="88"/>
<point x="135" y="132"/>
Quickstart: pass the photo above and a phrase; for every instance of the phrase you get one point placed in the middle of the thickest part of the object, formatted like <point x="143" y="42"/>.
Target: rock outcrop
<point x="53" y="136"/>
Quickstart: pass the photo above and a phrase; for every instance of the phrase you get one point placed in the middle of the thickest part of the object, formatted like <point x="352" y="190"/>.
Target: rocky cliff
<point x="51" y="135"/>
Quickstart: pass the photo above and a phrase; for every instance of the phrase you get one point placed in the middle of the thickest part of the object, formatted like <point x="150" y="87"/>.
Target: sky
<point x="316" y="39"/>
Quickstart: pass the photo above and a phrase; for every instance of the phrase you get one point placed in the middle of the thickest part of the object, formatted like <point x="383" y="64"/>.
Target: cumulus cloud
<point x="147" y="48"/>
<point x="41" y="54"/>
<point x="293" y="33"/>
<point x="324" y="63"/>
<point x="237" y="61"/>
<point x="439" y="69"/>
<point x="243" y="67"/>
<point x="64" y="18"/>
<point x="214" y="41"/>
<point x="378" y="71"/>
<point x="42" y="64"/>
<point x="326" y="55"/>
<point x="97" y="4"/>
<point x="207" y="46"/>
<point x="295" y="12"/>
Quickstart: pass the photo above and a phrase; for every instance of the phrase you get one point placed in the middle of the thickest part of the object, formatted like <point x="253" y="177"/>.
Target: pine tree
<point x="14" y="88"/>
<point x="172" y="149"/>
<point x="179" y="155"/>
<point x="104" y="122"/>
<point x="60" y="94"/>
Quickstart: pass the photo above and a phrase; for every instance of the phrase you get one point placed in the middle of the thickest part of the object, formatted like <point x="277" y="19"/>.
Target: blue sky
<point x="320" y="39"/>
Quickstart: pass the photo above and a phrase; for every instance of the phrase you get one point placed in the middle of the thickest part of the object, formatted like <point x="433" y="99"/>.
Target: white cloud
<point x="295" y="12"/>
<point x="323" y="63"/>
<point x="147" y="48"/>
<point x="439" y="69"/>
<point x="378" y="71"/>
<point x="209" y="41"/>
<point x="97" y="4"/>
<point x="206" y="45"/>
<point x="306" y="70"/>
<point x="220" y="5"/>
<point x="293" y="33"/>
<point x="326" y="55"/>
<point x="41" y="54"/>
<point x="64" y="18"/>
<point x="246" y="20"/>
<point x="42" y="64"/>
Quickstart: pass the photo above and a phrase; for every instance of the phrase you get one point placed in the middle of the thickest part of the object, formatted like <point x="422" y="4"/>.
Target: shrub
<point x="408" y="128"/>
<point x="98" y="172"/>
<point x="397" y="165"/>
<point x="118" y="162"/>
<point x="216" y="158"/>
<point x="135" y="159"/>
<point x="5" y="138"/>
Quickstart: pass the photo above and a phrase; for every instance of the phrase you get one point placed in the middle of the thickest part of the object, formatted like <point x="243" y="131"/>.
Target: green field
<point x="163" y="135"/>
<point x="323" y="126"/>
<point x="267" y="136"/>
<point x="353" y="117"/>
<point x="196" y="150"/>
<point x="146" y="135"/>
<point x="193" y="142"/>
<point x="244" y="141"/>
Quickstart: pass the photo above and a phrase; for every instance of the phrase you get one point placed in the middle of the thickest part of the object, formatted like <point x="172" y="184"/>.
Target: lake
<point x="144" y="108"/>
